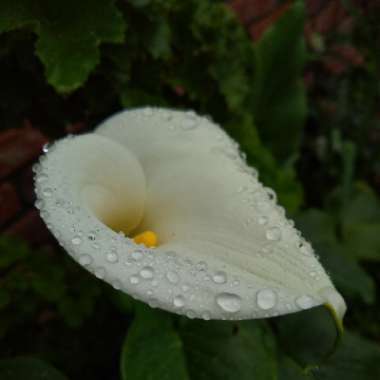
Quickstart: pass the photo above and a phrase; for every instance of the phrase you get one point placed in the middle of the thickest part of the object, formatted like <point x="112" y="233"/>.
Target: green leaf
<point x="308" y="338"/>
<point x="361" y="225"/>
<point x="290" y="370"/>
<point x="364" y="206"/>
<point x="152" y="349"/>
<point x="279" y="99"/>
<point x="225" y="350"/>
<point x="4" y="298"/>
<point x="159" y="44"/>
<point x="227" y="52"/>
<point x="11" y="251"/>
<point x="24" y="368"/>
<point x="363" y="240"/>
<point x="356" y="358"/>
<point x="346" y="273"/>
<point x="35" y="279"/>
<point x="140" y="3"/>
<point x="125" y="303"/>
<point x="69" y="34"/>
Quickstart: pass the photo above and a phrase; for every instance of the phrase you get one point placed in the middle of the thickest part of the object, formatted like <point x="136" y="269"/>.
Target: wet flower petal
<point x="225" y="248"/>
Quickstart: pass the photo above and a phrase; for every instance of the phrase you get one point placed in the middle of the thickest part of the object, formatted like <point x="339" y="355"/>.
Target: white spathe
<point x="226" y="249"/>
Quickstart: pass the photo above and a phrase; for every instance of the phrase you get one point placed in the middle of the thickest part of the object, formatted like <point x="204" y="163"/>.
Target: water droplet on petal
<point x="47" y="192"/>
<point x="206" y="316"/>
<point x="262" y="205"/>
<point x="172" y="277"/>
<point x="147" y="273"/>
<point x="305" y="248"/>
<point x="179" y="301"/>
<point x="112" y="257"/>
<point x="39" y="204"/>
<point x="171" y="255"/>
<point x="85" y="260"/>
<point x="46" y="148"/>
<point x="262" y="220"/>
<point x="219" y="277"/>
<point x="148" y="112"/>
<point x="190" y="314"/>
<point x="76" y="240"/>
<point x="137" y="255"/>
<point x="100" y="273"/>
<point x="273" y="233"/>
<point x="266" y="299"/>
<point x="241" y="189"/>
<point x="41" y="178"/>
<point x="271" y="193"/>
<point x="36" y="168"/>
<point x="305" y="302"/>
<point x="201" y="266"/>
<point x="117" y="285"/>
<point x="229" y="302"/>
<point x="281" y="211"/>
<point x="189" y="123"/>
<point x="134" y="280"/>
<point x="152" y="302"/>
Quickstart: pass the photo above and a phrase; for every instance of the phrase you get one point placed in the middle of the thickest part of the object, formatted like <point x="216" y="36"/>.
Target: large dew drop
<point x="179" y="301"/>
<point x="172" y="277"/>
<point x="305" y="302"/>
<point x="76" y="240"/>
<point x="112" y="257"/>
<point x="229" y="302"/>
<point x="85" y="260"/>
<point x="273" y="233"/>
<point x="147" y="273"/>
<point x="219" y="277"/>
<point x="266" y="299"/>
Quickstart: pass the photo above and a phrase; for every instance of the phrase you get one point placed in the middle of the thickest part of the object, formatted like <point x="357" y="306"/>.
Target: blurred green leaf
<point x="348" y="276"/>
<point x="152" y="349"/>
<point x="226" y="350"/>
<point x="232" y="56"/>
<point x="279" y="99"/>
<point x="10" y="252"/>
<point x="356" y="358"/>
<point x="160" y="41"/>
<point x="32" y="278"/>
<point x="69" y="35"/>
<point x="125" y="303"/>
<point x="290" y="370"/>
<point x="361" y="224"/>
<point x="363" y="240"/>
<point x="140" y="3"/>
<point x="4" y="298"/>
<point x="24" y="368"/>
<point x="308" y="336"/>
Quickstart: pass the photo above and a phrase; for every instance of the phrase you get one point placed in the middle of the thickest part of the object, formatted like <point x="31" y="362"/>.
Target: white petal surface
<point x="226" y="250"/>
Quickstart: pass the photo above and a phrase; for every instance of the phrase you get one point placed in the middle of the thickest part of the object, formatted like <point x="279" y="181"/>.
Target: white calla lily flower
<point x="160" y="204"/>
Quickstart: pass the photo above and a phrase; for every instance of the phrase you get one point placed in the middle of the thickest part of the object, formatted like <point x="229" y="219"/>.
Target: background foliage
<point x="304" y="108"/>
